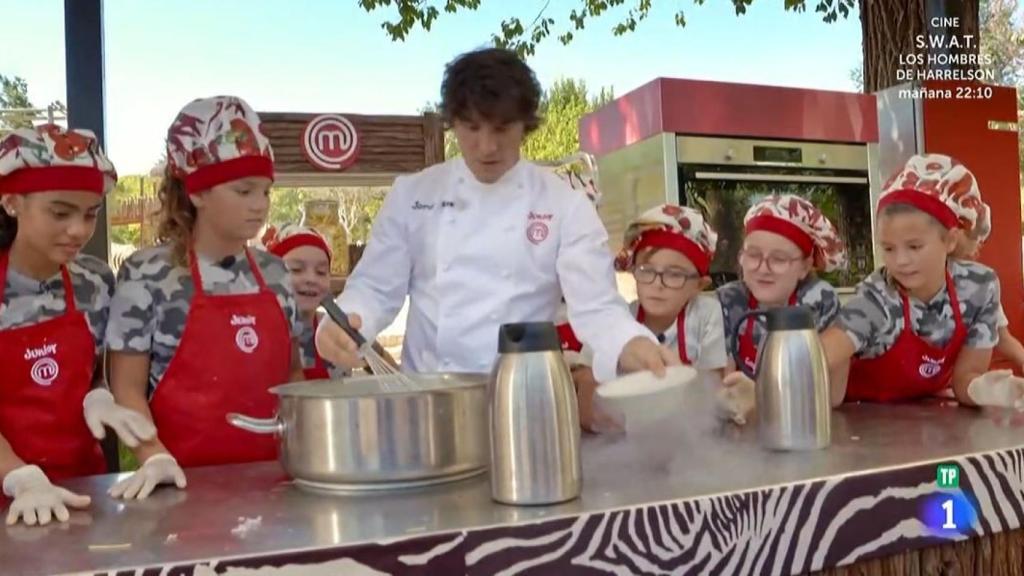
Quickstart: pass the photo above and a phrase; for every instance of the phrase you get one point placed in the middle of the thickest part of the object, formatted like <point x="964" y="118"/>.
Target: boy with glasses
<point x="669" y="251"/>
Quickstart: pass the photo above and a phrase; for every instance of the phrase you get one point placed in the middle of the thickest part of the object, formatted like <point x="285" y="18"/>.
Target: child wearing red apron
<point x="53" y="313"/>
<point x="668" y="250"/>
<point x="202" y="325"/>
<point x="787" y="239"/>
<point x="925" y="321"/>
<point x="307" y="255"/>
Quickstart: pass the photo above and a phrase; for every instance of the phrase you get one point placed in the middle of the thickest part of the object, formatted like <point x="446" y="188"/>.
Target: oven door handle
<point x="801" y="178"/>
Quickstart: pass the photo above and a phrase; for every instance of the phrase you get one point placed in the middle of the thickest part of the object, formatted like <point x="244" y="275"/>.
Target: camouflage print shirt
<point x="873" y="319"/>
<point x="307" y="345"/>
<point x="28" y="301"/>
<point x="814" y="293"/>
<point x="153" y="296"/>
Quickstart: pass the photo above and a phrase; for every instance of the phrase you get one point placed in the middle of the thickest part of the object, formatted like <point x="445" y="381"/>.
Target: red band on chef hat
<point x="50" y="157"/>
<point x="211" y="175"/>
<point x="784" y="228"/>
<point x="294" y="241"/>
<point x="926" y="203"/>
<point x="660" y="238"/>
<point x="45" y="178"/>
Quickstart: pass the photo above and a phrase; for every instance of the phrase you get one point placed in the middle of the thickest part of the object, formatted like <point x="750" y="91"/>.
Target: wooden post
<point x="433" y="139"/>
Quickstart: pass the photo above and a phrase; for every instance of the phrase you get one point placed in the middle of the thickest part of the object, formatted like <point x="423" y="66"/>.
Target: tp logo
<point x="948" y="476"/>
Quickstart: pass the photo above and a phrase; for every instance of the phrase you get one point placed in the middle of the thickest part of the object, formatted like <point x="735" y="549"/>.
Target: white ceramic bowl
<point x="641" y="398"/>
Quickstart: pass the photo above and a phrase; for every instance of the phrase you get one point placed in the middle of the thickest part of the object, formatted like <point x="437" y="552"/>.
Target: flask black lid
<point x="790" y="318"/>
<point x="528" y="337"/>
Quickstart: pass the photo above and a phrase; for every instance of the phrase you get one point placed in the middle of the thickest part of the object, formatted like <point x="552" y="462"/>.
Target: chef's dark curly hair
<point x="8" y="229"/>
<point x="177" y="217"/>
<point x="494" y="84"/>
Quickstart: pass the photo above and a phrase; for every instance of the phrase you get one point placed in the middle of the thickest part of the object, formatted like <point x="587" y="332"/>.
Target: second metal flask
<point x="535" y="429"/>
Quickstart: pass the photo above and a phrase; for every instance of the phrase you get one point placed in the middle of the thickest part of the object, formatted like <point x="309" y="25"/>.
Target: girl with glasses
<point x="786" y="240"/>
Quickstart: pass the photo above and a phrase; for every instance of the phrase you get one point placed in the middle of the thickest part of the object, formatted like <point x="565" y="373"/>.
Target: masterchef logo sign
<point x="330" y="142"/>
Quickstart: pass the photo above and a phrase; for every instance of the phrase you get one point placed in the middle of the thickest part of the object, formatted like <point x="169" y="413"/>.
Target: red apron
<point x="319" y="370"/>
<point x="570" y="343"/>
<point x="912" y="368"/>
<point x="46" y="370"/>
<point x="233" y="349"/>
<point x="680" y="332"/>
<point x="748" y="351"/>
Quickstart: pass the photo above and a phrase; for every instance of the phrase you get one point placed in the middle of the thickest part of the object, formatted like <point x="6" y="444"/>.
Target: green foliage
<point x="129" y="234"/>
<point x="357" y="207"/>
<point x="562" y="106"/>
<point x="524" y="38"/>
<point x="14" y="95"/>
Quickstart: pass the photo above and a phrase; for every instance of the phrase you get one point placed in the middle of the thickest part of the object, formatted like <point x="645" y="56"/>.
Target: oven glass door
<point x="726" y="197"/>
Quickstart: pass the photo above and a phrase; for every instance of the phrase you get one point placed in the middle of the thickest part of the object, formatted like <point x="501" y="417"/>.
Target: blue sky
<point x="331" y="56"/>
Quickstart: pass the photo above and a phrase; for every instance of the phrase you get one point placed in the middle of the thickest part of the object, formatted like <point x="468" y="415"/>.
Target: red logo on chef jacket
<point x="245" y="338"/>
<point x="330" y="142"/>
<point x="537" y="230"/>
<point x="45" y="369"/>
<point x="930" y="367"/>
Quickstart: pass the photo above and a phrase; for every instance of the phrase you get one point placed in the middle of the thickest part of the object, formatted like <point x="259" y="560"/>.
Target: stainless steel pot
<point x="352" y="434"/>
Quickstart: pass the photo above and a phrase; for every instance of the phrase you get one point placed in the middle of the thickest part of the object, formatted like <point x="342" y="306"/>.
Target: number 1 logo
<point x="949" y="524"/>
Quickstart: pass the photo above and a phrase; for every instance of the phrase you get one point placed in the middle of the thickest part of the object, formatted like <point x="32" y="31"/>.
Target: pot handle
<point x="256" y="425"/>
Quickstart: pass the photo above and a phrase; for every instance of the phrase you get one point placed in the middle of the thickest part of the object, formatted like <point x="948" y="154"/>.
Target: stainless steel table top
<point x="249" y="510"/>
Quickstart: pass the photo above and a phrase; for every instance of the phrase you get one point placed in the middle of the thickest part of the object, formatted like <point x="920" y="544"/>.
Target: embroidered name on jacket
<point x="537" y="227"/>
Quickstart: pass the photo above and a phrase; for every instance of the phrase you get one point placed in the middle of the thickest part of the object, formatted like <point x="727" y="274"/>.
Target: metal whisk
<point x="391" y="379"/>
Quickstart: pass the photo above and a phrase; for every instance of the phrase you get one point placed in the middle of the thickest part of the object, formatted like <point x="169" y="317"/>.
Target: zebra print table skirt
<point x="798" y="513"/>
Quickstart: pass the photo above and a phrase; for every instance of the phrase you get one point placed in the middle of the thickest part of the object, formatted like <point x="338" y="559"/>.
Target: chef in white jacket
<point x="487" y="239"/>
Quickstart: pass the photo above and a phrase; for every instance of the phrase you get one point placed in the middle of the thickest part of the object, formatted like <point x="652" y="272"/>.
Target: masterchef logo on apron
<point x="930" y="367"/>
<point x="537" y="230"/>
<point x="45" y="369"/>
<point x="246" y="337"/>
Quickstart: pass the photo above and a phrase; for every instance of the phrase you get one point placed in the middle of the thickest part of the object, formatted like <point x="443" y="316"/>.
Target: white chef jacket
<point x="473" y="256"/>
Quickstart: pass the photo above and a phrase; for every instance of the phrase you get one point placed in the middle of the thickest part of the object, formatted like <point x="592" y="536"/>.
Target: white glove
<point x="997" y="388"/>
<point x="36" y="499"/>
<point x="131" y="427"/>
<point x="157" y="469"/>
<point x="735" y="398"/>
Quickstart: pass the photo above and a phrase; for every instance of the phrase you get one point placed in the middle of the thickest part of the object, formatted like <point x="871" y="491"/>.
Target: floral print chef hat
<point x="217" y="140"/>
<point x="50" y="157"/>
<point x="291" y="236"/>
<point x="983" y="226"/>
<point x="942" y="187"/>
<point x="678" y="228"/>
<point x="801" y="222"/>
